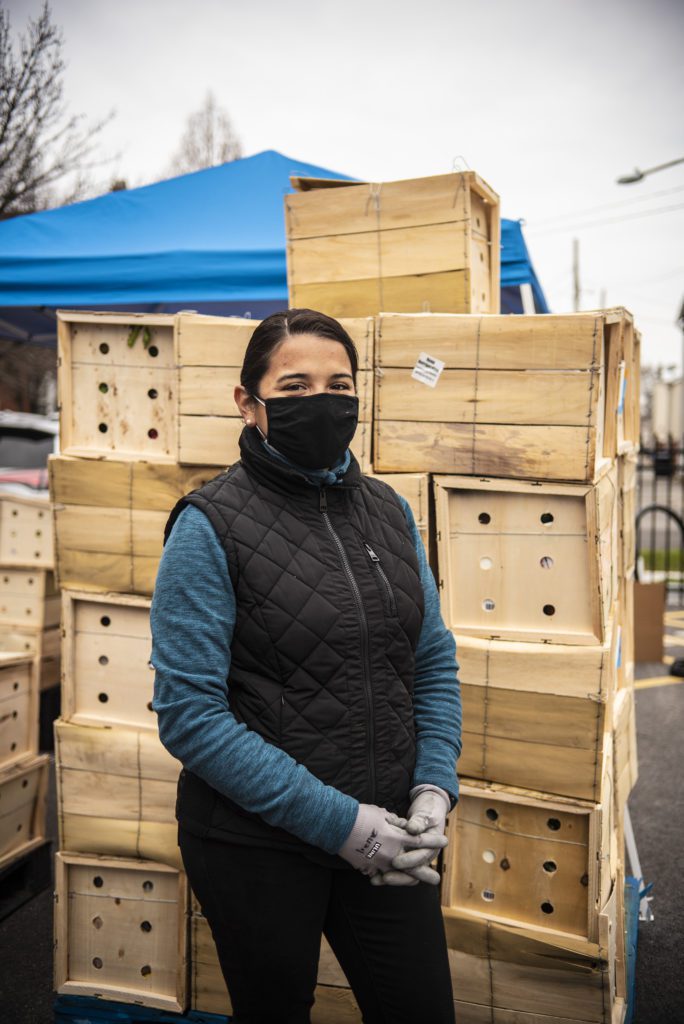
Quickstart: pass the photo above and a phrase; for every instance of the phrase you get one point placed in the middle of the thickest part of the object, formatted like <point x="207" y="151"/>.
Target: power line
<point x="606" y="206"/>
<point x="609" y="220"/>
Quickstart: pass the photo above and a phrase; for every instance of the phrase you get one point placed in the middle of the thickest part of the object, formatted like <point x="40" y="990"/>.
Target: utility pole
<point x="575" y="275"/>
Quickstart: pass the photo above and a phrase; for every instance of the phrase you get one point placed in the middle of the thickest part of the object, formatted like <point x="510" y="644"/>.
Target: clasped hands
<point x="398" y="851"/>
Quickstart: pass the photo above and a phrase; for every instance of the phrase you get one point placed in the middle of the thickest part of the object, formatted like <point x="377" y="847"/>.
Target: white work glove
<point x="376" y="839"/>
<point x="427" y="817"/>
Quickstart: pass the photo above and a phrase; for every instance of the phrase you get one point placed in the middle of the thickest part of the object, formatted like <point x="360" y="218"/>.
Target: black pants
<point x="267" y="910"/>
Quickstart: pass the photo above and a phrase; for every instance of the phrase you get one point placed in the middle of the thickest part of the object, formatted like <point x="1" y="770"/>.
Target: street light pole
<point x="637" y="175"/>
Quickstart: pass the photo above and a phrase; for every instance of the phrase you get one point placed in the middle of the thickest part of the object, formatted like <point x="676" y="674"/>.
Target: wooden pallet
<point x="121" y="930"/>
<point x="539" y="397"/>
<point x="355" y="249"/>
<point x="527" y="561"/>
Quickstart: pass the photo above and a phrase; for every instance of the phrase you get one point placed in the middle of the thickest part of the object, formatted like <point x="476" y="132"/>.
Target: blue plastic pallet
<point x="87" y="1010"/>
<point x="632" y="896"/>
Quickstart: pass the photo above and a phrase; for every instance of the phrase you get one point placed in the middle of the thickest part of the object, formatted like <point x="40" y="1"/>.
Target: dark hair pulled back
<point x="279" y="326"/>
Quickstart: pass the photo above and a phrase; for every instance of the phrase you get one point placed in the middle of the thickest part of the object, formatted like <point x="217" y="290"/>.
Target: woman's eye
<point x="295" y="386"/>
<point x="341" y="386"/>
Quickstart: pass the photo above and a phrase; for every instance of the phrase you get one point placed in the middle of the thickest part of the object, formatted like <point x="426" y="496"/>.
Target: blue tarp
<point x="213" y="237"/>
<point x="517" y="269"/>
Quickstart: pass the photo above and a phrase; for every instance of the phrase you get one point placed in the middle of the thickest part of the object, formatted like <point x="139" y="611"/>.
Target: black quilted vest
<point x="329" y="610"/>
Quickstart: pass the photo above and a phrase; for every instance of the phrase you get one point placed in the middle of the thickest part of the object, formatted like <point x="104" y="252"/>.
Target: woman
<point x="306" y="682"/>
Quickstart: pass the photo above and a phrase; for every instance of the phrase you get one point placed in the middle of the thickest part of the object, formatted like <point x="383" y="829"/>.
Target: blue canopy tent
<point x="213" y="241"/>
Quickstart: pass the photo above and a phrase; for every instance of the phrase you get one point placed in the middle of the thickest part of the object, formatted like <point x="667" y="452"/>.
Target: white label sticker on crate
<point x="427" y="370"/>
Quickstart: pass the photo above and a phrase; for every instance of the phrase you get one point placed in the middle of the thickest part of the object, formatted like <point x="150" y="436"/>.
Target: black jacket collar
<point x="283" y="478"/>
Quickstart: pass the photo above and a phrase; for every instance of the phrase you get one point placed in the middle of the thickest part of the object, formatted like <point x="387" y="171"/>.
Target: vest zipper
<point x="363" y="622"/>
<point x="381" y="572"/>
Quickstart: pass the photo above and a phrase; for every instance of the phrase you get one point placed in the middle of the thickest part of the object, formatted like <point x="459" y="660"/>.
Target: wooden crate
<point x="25" y="532"/>
<point x="23" y="804"/>
<point x="335" y="1002"/>
<point x="531" y="859"/>
<point x="627" y="480"/>
<point x="527" y="561"/>
<point x="626" y="652"/>
<point x="208" y="992"/>
<point x="19" y="706"/>
<point x="121" y="931"/>
<point x="41" y="644"/>
<point x="172" y="400"/>
<point x="29" y="597"/>
<point x="509" y="974"/>
<point x="521" y="396"/>
<point x="624" y="747"/>
<point x="116" y="792"/>
<point x="110" y="518"/>
<point x="107" y="675"/>
<point x="356" y="249"/>
<point x="629" y="405"/>
<point x="534" y="715"/>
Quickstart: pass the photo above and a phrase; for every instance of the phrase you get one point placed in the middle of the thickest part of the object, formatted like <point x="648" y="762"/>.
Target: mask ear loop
<point x="260" y="431"/>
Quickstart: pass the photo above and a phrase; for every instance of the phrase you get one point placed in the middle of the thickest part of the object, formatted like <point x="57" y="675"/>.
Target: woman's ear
<point x="246" y="405"/>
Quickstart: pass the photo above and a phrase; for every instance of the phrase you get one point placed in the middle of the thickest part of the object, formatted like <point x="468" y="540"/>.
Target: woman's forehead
<point x="309" y="353"/>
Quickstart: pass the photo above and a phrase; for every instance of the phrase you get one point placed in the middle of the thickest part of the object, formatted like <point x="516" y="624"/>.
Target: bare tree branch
<point x="209" y="139"/>
<point x="41" y="145"/>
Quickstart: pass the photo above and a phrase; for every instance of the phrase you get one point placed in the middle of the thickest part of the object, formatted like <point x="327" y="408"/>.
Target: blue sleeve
<point x="437" y="692"/>
<point x="193" y="617"/>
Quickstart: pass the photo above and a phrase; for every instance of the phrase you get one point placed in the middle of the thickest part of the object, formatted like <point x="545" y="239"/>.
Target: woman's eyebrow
<point x="292" y="376"/>
<point x="306" y="376"/>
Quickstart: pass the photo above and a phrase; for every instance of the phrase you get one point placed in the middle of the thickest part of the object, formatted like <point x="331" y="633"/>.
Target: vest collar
<point x="285" y="478"/>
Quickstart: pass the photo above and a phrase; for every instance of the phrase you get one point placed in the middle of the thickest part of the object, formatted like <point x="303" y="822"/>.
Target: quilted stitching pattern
<point x="297" y="673"/>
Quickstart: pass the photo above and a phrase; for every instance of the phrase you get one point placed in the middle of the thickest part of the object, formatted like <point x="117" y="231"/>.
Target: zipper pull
<point x="371" y="554"/>
<point x="323" y="501"/>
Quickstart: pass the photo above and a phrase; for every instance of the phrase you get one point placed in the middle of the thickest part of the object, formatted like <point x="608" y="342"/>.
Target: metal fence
<point x="660" y="518"/>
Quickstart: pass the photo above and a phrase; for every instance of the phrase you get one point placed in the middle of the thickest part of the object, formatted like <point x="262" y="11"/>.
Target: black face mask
<point x="312" y="432"/>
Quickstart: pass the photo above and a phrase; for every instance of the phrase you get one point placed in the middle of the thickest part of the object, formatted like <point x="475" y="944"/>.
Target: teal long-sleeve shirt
<point x="193" y="617"/>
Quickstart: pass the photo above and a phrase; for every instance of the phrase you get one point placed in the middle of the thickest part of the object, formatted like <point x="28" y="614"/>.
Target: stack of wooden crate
<point x="513" y="440"/>
<point x="23" y="771"/>
<point x="147" y="414"/>
<point x="132" y="445"/>
<point x="29" y="601"/>
<point x="528" y="428"/>
<point x="29" y="630"/>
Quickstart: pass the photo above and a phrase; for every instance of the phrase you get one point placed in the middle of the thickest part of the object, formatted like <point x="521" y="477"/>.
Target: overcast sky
<point x="548" y="100"/>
